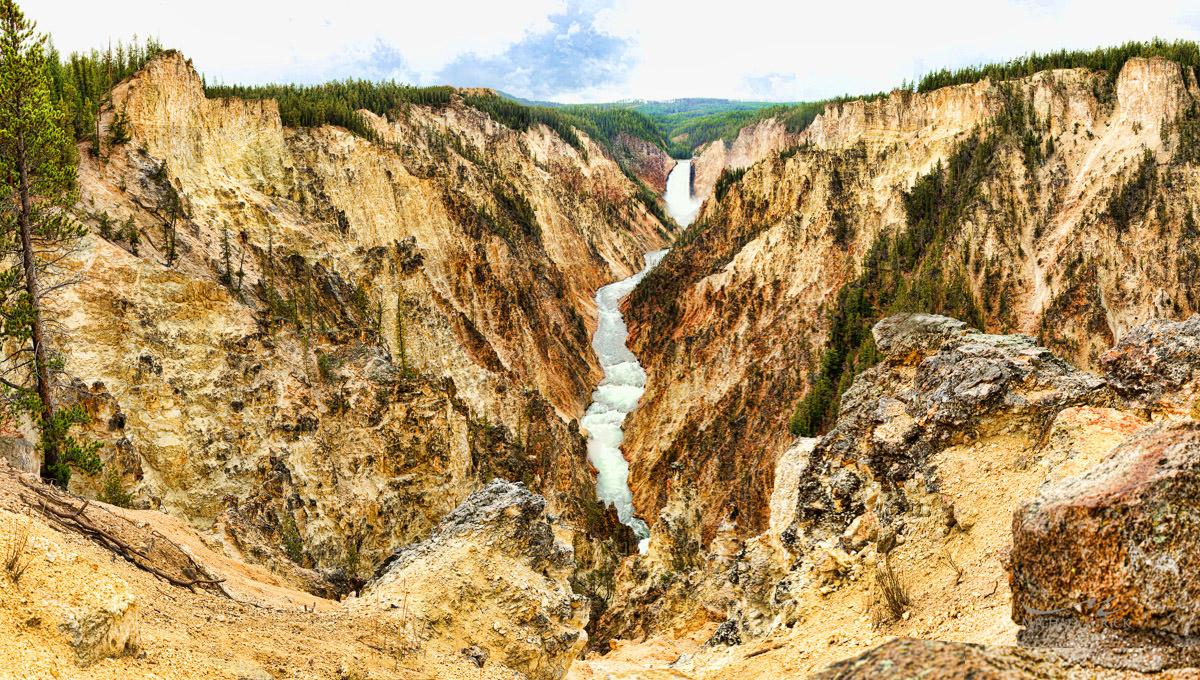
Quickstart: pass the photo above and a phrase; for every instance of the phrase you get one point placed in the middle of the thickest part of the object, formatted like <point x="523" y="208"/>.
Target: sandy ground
<point x="984" y="481"/>
<point x="184" y="634"/>
<point x="957" y="582"/>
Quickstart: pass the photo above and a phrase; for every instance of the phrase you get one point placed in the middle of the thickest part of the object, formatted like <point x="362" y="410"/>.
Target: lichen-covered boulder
<point x="905" y="658"/>
<point x="940" y="383"/>
<point x="1116" y="547"/>
<point x="1156" y="366"/>
<point x="493" y="575"/>
<point x="110" y="629"/>
<point x="908" y="338"/>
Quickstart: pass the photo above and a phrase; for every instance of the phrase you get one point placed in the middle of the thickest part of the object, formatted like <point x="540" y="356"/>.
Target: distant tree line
<point x="705" y="129"/>
<point x="698" y="119"/>
<point x="339" y="102"/>
<point x="727" y="125"/>
<point x="1108" y="59"/>
<point x="608" y="122"/>
<point x="603" y="124"/>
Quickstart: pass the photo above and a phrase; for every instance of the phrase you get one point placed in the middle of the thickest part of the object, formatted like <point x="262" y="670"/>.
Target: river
<point x="624" y="380"/>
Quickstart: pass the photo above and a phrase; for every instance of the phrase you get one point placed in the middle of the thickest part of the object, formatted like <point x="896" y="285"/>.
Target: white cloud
<point x="746" y="49"/>
<point x="259" y="40"/>
<point x="719" y="48"/>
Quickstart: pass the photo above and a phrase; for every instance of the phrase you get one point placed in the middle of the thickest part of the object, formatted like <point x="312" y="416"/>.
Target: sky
<point x="610" y="50"/>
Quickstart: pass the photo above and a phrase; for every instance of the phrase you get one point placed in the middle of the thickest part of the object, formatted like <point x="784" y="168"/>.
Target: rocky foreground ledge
<point x="492" y="581"/>
<point x="1043" y="520"/>
<point x="1106" y="565"/>
<point x="1049" y="514"/>
<point x="1104" y="562"/>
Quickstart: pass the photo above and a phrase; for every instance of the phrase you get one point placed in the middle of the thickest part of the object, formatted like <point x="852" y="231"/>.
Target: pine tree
<point x="37" y="166"/>
<point x="400" y="348"/>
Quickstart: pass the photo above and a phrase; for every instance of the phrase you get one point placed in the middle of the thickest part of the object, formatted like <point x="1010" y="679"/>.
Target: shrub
<point x="890" y="597"/>
<point x="113" y="491"/>
<point x="293" y="544"/>
<point x="325" y="365"/>
<point x="106" y="224"/>
<point x="118" y="129"/>
<point x="337" y="402"/>
<point x="15" y="559"/>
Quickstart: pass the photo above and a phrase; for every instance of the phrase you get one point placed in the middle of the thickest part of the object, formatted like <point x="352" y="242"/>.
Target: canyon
<point x="455" y="401"/>
<point x="725" y="326"/>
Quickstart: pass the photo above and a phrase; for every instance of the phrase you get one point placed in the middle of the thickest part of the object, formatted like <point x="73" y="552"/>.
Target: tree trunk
<point x="41" y="355"/>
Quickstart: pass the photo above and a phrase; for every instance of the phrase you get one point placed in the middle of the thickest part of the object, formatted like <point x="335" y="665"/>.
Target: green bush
<point x="293" y="543"/>
<point x="325" y="366"/>
<point x="113" y="491"/>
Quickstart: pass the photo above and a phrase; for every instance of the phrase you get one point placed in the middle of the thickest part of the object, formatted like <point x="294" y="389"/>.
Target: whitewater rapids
<point x="624" y="380"/>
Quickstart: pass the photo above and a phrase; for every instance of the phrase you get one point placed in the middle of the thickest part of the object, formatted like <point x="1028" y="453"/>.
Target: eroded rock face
<point x="946" y="410"/>
<point x="1155" y="365"/>
<point x="347" y="337"/>
<point x="938" y="660"/>
<point x="669" y="581"/>
<point x="753" y="143"/>
<point x="732" y="322"/>
<point x="649" y="163"/>
<point x="493" y="575"/>
<point x="941" y="385"/>
<point x="908" y="338"/>
<point x="1118" y="543"/>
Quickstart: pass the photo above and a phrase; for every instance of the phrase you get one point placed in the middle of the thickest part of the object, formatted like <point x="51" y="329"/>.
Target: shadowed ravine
<point x="624" y="380"/>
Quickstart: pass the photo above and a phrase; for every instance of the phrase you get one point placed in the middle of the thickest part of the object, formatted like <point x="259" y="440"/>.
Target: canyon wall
<point x="649" y="163"/>
<point x="753" y="143"/>
<point x="732" y="326"/>
<point x="317" y="344"/>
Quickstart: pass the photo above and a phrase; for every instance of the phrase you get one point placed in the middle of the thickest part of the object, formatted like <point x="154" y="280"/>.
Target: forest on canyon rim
<point x="914" y="391"/>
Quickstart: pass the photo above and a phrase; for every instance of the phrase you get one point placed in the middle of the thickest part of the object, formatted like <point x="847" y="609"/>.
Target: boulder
<point x="108" y="630"/>
<point x="940" y="384"/>
<point x="1154" y="366"/>
<point x="493" y="576"/>
<point x="1113" y="553"/>
<point x="908" y="338"/>
<point x="905" y="658"/>
<point x="19" y="454"/>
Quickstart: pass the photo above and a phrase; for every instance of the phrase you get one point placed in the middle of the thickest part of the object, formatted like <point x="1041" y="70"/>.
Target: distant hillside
<point x="526" y="102"/>
<point x="692" y="122"/>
